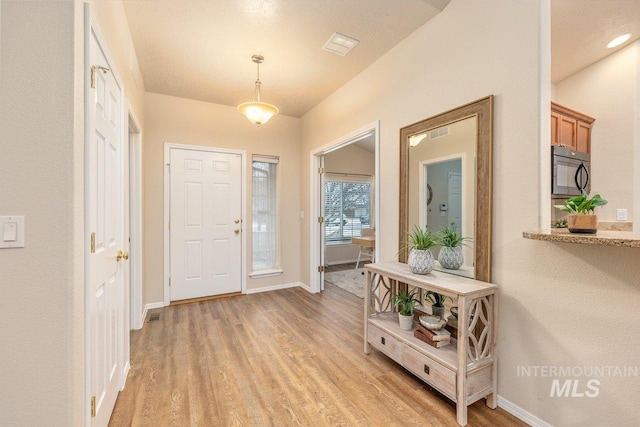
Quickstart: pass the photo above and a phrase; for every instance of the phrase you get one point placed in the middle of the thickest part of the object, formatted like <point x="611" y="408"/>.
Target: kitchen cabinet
<point x="570" y="128"/>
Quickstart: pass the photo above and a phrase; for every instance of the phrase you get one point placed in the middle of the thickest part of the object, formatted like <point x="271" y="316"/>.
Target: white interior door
<point x="205" y="223"/>
<point x="106" y="224"/>
<point x="455" y="200"/>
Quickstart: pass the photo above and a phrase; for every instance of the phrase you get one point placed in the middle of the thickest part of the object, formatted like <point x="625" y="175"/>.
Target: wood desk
<point x="366" y="241"/>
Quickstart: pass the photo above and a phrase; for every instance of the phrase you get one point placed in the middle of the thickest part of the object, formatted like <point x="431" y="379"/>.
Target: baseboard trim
<point x="151" y="306"/>
<point x="272" y="288"/>
<point x="521" y="413"/>
<point x="125" y="373"/>
<point x="305" y="287"/>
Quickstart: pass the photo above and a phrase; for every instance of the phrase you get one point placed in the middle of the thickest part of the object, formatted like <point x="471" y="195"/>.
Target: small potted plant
<point x="450" y="255"/>
<point x="406" y="301"/>
<point x="419" y="243"/>
<point x="437" y="303"/>
<point x="581" y="209"/>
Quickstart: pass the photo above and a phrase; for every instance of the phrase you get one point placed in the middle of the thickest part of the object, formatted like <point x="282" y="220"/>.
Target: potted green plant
<point x="437" y="303"/>
<point x="419" y="243"/>
<point x="450" y="255"/>
<point x="406" y="301"/>
<point x="582" y="218"/>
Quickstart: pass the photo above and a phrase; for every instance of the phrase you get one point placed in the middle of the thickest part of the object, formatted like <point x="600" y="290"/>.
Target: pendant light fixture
<point x="256" y="111"/>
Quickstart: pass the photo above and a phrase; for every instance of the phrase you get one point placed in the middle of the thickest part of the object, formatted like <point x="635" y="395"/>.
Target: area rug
<point x="350" y="280"/>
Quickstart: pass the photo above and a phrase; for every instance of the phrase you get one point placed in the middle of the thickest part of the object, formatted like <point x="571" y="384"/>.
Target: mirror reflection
<point x="446" y="181"/>
<point x="442" y="184"/>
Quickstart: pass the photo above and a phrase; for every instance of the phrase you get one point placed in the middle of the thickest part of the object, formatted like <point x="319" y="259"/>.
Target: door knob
<point x="237" y="221"/>
<point x="236" y="231"/>
<point x="122" y="255"/>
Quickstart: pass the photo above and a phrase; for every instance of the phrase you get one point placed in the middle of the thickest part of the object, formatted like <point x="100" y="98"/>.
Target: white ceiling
<point x="581" y="29"/>
<point x="201" y="49"/>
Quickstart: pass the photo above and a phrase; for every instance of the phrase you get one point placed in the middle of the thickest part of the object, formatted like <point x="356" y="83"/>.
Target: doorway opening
<point x="344" y="201"/>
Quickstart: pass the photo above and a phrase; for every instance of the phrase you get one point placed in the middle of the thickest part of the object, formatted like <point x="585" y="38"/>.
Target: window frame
<point x="347" y="179"/>
<point x="274" y="205"/>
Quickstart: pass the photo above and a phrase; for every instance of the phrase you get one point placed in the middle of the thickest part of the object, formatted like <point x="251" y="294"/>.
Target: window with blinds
<point x="347" y="206"/>
<point x="264" y="213"/>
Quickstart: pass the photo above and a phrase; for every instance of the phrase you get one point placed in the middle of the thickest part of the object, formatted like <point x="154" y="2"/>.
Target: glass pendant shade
<point x="256" y="111"/>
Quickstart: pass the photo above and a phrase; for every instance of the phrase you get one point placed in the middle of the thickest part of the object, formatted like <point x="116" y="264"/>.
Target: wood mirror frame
<point x="482" y="109"/>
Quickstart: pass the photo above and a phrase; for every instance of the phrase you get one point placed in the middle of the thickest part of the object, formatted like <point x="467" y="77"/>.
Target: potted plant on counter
<point x="420" y="241"/>
<point x="582" y="218"/>
<point x="406" y="301"/>
<point x="450" y="256"/>
<point x="437" y="303"/>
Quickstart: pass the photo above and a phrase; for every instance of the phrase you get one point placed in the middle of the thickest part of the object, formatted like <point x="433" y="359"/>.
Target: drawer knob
<point x="382" y="340"/>
<point x="426" y="369"/>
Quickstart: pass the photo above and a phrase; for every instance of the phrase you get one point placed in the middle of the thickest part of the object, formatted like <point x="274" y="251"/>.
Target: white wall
<point x="560" y="304"/>
<point x="184" y="121"/>
<point x="607" y="91"/>
<point x="42" y="169"/>
<point x="41" y="159"/>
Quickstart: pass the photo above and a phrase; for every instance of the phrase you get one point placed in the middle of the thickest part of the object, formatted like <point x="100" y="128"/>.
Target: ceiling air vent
<point x="439" y="132"/>
<point x="340" y="44"/>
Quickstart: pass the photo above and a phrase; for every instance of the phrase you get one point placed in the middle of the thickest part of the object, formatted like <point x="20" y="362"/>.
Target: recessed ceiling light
<point x="618" y="41"/>
<point x="340" y="44"/>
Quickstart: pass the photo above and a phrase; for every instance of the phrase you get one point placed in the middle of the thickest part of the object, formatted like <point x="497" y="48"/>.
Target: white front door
<point x="205" y="223"/>
<point x="106" y="225"/>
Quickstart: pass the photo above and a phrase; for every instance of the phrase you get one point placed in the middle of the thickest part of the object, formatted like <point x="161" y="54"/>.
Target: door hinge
<point x="93" y="243"/>
<point x="320" y="171"/>
<point x="320" y="220"/>
<point x="169" y="225"/>
<point x="169" y="281"/>
<point x="93" y="74"/>
<point x="320" y="268"/>
<point x="169" y="166"/>
<point x="93" y="406"/>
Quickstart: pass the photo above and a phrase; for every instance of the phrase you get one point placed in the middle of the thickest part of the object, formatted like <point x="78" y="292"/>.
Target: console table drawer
<point x="386" y="343"/>
<point x="430" y="371"/>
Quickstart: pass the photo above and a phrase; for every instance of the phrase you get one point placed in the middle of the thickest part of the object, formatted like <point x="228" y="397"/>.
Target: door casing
<point x="134" y="136"/>
<point x="315" y="228"/>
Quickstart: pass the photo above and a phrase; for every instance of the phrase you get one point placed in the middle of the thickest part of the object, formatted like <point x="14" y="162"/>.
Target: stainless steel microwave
<point x="571" y="172"/>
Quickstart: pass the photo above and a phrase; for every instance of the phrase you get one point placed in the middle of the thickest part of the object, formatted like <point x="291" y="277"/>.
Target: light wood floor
<point x="282" y="358"/>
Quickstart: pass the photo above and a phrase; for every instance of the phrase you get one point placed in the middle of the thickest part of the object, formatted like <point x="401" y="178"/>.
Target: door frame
<point x="315" y="228"/>
<point x="122" y="330"/>
<point x="167" y="209"/>
<point x="134" y="138"/>
<point x="423" y="165"/>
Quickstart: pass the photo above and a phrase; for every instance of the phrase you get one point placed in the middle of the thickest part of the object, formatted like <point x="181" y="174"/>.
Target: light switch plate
<point x="621" y="214"/>
<point x="12" y="231"/>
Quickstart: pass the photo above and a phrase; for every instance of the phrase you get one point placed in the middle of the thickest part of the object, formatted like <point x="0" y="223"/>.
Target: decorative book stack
<point x="437" y="339"/>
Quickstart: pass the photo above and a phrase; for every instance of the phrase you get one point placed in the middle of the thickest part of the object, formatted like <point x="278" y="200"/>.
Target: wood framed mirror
<point x="472" y="181"/>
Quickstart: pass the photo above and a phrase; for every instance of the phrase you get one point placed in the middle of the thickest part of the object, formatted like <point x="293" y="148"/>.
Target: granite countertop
<point x="602" y="237"/>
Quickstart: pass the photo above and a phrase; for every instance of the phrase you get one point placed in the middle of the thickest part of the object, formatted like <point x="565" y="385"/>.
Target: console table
<point x="465" y="370"/>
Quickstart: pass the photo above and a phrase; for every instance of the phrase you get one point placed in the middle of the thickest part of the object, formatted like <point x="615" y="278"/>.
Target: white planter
<point x="420" y="261"/>
<point x="406" y="322"/>
<point x="451" y="258"/>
